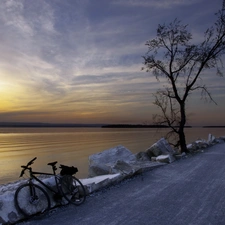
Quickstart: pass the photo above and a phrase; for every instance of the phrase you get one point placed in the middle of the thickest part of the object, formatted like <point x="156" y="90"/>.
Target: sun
<point x="3" y="86"/>
<point x="9" y="93"/>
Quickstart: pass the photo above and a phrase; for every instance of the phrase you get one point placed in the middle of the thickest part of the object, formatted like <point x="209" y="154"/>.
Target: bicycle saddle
<point x="52" y="163"/>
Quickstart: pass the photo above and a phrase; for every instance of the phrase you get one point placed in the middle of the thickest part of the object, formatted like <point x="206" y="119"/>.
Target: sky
<point x="79" y="61"/>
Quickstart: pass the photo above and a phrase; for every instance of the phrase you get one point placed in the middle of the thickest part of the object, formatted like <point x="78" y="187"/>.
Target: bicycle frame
<point x="32" y="176"/>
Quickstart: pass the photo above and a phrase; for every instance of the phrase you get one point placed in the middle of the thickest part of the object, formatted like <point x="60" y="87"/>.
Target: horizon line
<point x="104" y="125"/>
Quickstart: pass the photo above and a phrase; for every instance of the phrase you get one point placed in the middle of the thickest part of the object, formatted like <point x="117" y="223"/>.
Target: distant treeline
<point x="31" y="124"/>
<point x="213" y="126"/>
<point x="136" y="126"/>
<point x="133" y="126"/>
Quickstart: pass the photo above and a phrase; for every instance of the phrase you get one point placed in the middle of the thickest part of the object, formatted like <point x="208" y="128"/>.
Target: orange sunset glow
<point x="73" y="62"/>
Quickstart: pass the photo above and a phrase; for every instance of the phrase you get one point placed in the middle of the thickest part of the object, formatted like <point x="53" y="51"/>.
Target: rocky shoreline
<point x="107" y="168"/>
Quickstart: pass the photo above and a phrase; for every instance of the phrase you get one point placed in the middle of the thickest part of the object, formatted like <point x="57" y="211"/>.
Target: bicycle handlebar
<point x="27" y="166"/>
<point x="32" y="161"/>
<point x="22" y="172"/>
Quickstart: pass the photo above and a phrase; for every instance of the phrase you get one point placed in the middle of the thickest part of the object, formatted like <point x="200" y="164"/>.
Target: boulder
<point x="201" y="143"/>
<point x="142" y="156"/>
<point x="108" y="161"/>
<point x="96" y="183"/>
<point x="196" y="145"/>
<point x="165" y="158"/>
<point x="120" y="160"/>
<point x="217" y="141"/>
<point x="98" y="169"/>
<point x="161" y="151"/>
<point x="211" y="138"/>
<point x="123" y="168"/>
<point x="153" y="159"/>
<point x="153" y="151"/>
<point x="161" y="147"/>
<point x="222" y="138"/>
<point x="180" y="156"/>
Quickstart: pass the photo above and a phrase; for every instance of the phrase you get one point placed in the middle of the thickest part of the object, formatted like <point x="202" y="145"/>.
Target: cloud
<point x="28" y="19"/>
<point x="11" y="15"/>
<point x="155" y="3"/>
<point x="81" y="57"/>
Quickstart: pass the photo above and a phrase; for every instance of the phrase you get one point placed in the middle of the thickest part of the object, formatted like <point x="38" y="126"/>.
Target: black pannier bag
<point x="68" y="170"/>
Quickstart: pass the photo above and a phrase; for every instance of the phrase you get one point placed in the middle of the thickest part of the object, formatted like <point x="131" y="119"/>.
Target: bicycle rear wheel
<point x="31" y="199"/>
<point x="72" y="189"/>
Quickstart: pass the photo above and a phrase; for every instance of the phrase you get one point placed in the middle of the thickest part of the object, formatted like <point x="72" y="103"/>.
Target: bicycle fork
<point x="33" y="196"/>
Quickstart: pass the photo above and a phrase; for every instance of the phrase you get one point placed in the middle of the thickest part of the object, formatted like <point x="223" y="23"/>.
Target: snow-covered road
<point x="187" y="192"/>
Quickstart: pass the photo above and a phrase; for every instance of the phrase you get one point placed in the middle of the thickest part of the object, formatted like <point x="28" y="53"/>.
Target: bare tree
<point x="171" y="58"/>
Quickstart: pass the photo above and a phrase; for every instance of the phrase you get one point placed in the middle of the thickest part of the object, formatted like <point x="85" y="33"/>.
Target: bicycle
<point x="31" y="199"/>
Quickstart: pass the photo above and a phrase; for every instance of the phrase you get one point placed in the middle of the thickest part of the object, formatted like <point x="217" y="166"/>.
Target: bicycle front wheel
<point x="72" y="189"/>
<point x="31" y="199"/>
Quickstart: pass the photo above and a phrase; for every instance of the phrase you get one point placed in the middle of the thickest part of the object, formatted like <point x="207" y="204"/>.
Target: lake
<point x="72" y="146"/>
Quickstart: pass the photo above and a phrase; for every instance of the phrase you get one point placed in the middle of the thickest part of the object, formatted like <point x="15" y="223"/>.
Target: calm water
<point x="72" y="146"/>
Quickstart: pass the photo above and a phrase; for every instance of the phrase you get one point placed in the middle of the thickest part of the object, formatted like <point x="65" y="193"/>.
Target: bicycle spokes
<point x="34" y="199"/>
<point x="31" y="202"/>
<point x="72" y="189"/>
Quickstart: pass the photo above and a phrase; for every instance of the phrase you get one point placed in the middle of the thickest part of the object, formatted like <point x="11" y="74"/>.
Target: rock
<point x="161" y="147"/>
<point x="180" y="156"/>
<point x="217" y="141"/>
<point x="118" y="160"/>
<point x="104" y="162"/>
<point x="12" y="217"/>
<point x="199" y="144"/>
<point x="2" y="221"/>
<point x="154" y="150"/>
<point x="153" y="159"/>
<point x="94" y="184"/>
<point x="189" y="146"/>
<point x="97" y="170"/>
<point x="165" y="158"/>
<point x="123" y="168"/>
<point x="161" y="151"/>
<point x="222" y="138"/>
<point x="211" y="138"/>
<point x="142" y="156"/>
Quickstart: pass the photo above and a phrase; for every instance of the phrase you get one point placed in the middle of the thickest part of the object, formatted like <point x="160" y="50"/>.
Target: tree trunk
<point x="182" y="138"/>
